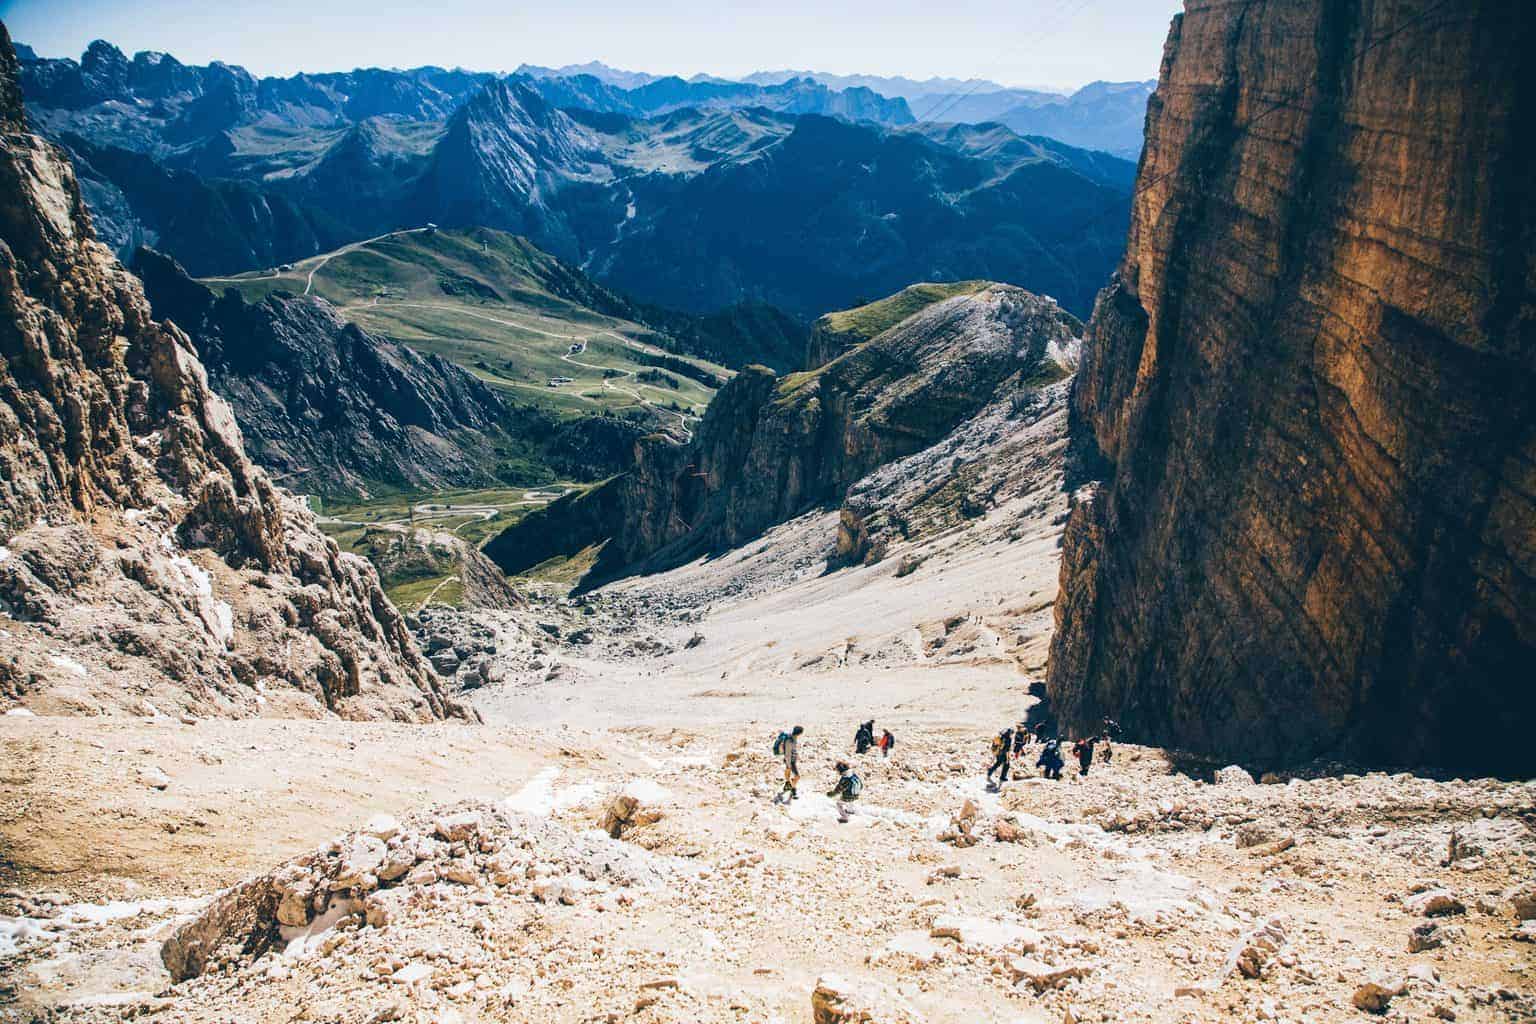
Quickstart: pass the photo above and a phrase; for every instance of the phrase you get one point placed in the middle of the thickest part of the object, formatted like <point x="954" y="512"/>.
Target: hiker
<point x="846" y="791"/>
<point x="887" y="741"/>
<point x="1002" y="746"/>
<point x="1020" y="739"/>
<point x="865" y="737"/>
<point x="787" y="746"/>
<point x="1050" y="759"/>
<point x="1083" y="748"/>
<point x="1111" y="731"/>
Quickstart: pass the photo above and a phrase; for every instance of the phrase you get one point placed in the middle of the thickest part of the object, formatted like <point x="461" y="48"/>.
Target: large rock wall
<point x="146" y="565"/>
<point x="1306" y="413"/>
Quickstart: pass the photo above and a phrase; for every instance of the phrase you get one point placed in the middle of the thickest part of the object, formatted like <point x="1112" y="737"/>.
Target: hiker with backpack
<point x="845" y="791"/>
<point x="1083" y="748"/>
<point x="1111" y="731"/>
<point x="864" y="738"/>
<point x="1002" y="747"/>
<point x="1020" y="739"/>
<point x="1050" y="759"/>
<point x="887" y="741"/>
<point x="787" y="746"/>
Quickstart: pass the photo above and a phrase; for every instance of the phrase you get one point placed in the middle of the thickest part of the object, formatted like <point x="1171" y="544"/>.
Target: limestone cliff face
<point x="1306" y="413"/>
<point x="145" y="563"/>
<point x="772" y="447"/>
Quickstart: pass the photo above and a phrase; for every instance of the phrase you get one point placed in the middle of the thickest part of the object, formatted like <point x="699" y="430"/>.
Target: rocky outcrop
<point x="146" y="564"/>
<point x="326" y="405"/>
<point x="772" y="447"/>
<point x="1307" y="405"/>
<point x="403" y="554"/>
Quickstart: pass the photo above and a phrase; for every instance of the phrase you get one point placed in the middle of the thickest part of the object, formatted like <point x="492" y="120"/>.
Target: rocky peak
<point x="12" y="116"/>
<point x="104" y="71"/>
<point x="145" y="563"/>
<point x="1307" y="405"/>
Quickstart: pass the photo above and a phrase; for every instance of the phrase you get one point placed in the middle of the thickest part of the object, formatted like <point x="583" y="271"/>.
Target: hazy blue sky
<point x="1060" y="42"/>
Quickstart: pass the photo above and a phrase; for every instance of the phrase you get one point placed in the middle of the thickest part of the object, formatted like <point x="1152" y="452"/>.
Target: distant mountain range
<point x="694" y="195"/>
<point x="1107" y="116"/>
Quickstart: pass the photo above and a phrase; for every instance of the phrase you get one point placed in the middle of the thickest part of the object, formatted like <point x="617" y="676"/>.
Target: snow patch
<point x="20" y="713"/>
<point x="201" y="579"/>
<point x="304" y="939"/>
<point x="68" y="665"/>
<point x="224" y="622"/>
<point x="537" y="797"/>
<point x="18" y="931"/>
<point x="647" y="791"/>
<point x="5" y="552"/>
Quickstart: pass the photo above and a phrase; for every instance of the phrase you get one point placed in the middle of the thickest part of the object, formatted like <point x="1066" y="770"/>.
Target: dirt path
<point x="309" y="281"/>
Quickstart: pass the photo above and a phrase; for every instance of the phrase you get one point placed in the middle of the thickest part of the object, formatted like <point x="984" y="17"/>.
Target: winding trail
<point x="309" y="282"/>
<point x="684" y="421"/>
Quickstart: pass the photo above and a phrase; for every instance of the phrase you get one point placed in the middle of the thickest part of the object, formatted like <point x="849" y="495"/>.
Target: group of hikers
<point x="1013" y="741"/>
<point x="1010" y="743"/>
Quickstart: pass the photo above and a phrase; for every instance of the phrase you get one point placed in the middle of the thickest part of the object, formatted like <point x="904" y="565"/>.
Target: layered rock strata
<point x="1307" y="406"/>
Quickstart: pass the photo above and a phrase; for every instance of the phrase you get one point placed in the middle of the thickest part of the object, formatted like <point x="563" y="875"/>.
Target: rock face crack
<point x="1304" y="425"/>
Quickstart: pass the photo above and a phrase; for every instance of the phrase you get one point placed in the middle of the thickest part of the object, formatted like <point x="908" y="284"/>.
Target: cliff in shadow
<point x="1306" y="414"/>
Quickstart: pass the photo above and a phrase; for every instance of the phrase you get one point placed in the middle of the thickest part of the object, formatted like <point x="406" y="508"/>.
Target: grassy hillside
<point x="506" y="311"/>
<point x="472" y="515"/>
<point x="864" y="322"/>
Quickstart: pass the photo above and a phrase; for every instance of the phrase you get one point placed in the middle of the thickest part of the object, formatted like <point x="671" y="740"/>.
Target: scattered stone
<point x="1234" y="775"/>
<point x="835" y="1001"/>
<point x="1272" y="849"/>
<point x="1375" y="996"/>
<point x="1434" y="903"/>
<point x="1252" y="956"/>
<point x="1041" y="976"/>
<point x="1523" y="901"/>
<point x="154" y="778"/>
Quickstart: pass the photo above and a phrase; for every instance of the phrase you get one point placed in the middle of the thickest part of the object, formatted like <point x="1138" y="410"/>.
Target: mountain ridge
<point x="149" y="566"/>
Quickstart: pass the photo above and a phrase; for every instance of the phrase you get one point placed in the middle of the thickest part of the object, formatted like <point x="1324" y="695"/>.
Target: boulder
<point x="1434" y="903"/>
<point x="1041" y="976"/>
<point x="1374" y="996"/>
<point x="361" y="859"/>
<point x="382" y="826"/>
<point x="1234" y="775"/>
<point x="1523" y="902"/>
<point x="836" y="1001"/>
<point x="456" y="828"/>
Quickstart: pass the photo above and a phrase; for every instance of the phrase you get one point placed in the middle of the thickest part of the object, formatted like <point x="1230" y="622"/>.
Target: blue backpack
<point x="855" y="786"/>
<point x="778" y="744"/>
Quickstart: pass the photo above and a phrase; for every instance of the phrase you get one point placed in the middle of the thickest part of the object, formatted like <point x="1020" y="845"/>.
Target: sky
<point x="1060" y="43"/>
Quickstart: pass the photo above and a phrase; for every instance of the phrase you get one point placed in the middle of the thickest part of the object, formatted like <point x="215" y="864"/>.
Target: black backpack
<point x="778" y="744"/>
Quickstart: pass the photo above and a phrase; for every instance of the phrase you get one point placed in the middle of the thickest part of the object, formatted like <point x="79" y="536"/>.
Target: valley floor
<point x="1140" y="893"/>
